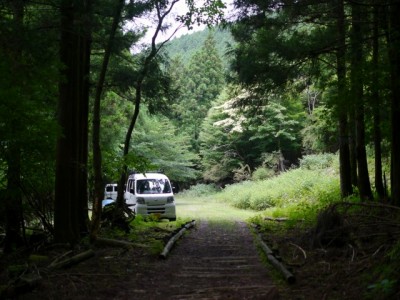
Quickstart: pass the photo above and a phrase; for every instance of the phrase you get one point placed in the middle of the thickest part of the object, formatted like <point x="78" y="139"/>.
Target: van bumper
<point x="166" y="211"/>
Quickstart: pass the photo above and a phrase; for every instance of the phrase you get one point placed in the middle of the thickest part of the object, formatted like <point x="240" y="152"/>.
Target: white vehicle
<point x="150" y="194"/>
<point x="111" y="191"/>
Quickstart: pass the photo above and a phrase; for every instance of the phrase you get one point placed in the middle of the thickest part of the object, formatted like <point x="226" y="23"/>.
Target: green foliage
<point x="382" y="289"/>
<point x="218" y="151"/>
<point x="319" y="133"/>
<point x="208" y="12"/>
<point x="187" y="45"/>
<point x="273" y="128"/>
<point x="232" y="138"/>
<point x="262" y="173"/>
<point x="296" y="192"/>
<point x="200" y="83"/>
<point x="28" y="92"/>
<point x="199" y="190"/>
<point x="385" y="277"/>
<point x="159" y="141"/>
<point x="274" y="49"/>
<point x="318" y="161"/>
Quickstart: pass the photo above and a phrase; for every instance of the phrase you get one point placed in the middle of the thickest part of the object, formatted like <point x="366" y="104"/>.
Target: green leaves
<point x="232" y="137"/>
<point x="158" y="140"/>
<point x="200" y="84"/>
<point x="210" y="13"/>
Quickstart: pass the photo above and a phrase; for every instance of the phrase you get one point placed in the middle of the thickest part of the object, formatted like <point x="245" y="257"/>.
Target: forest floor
<point x="221" y="261"/>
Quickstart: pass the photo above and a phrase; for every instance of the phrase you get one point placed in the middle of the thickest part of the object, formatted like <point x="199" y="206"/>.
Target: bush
<point x="318" y="161"/>
<point x="262" y="173"/>
<point x="296" y="188"/>
<point x="200" y="190"/>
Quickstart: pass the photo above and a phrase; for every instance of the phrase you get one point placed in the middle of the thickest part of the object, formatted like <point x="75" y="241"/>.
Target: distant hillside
<point x="187" y="45"/>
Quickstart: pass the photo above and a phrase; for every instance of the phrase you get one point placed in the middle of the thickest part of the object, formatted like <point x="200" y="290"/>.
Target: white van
<point x="111" y="191"/>
<point x="150" y="194"/>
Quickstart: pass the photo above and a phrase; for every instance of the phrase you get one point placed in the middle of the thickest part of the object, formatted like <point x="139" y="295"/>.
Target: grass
<point x="209" y="209"/>
<point x="297" y="194"/>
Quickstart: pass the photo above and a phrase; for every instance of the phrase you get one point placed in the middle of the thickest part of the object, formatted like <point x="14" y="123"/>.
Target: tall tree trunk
<point x="344" y="154"/>
<point x="13" y="200"/>
<point x="70" y="215"/>
<point x="376" y="105"/>
<point x="162" y="13"/>
<point x="85" y="43"/>
<point x="128" y="137"/>
<point x="13" y="195"/>
<point x="394" y="57"/>
<point x="357" y="93"/>
<point x="97" y="159"/>
<point x="352" y="142"/>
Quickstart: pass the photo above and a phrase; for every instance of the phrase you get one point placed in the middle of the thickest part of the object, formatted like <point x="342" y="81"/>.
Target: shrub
<point x="296" y="188"/>
<point x="262" y="173"/>
<point x="200" y="190"/>
<point x="318" y="161"/>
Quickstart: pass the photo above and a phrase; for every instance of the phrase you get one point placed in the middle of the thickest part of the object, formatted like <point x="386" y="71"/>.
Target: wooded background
<point x="78" y="108"/>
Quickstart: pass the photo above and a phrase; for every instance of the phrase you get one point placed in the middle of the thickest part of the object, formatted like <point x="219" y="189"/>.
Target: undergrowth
<point x="297" y="194"/>
<point x="384" y="279"/>
<point x="199" y="190"/>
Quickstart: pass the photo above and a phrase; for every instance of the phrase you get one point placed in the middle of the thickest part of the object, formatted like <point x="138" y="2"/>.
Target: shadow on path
<point x="212" y="261"/>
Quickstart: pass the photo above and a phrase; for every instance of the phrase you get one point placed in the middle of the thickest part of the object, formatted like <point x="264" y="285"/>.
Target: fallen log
<point x="71" y="261"/>
<point x="174" y="238"/>
<point x="275" y="262"/>
<point x="23" y="284"/>
<point x="281" y="268"/>
<point x="116" y="243"/>
<point x="29" y="281"/>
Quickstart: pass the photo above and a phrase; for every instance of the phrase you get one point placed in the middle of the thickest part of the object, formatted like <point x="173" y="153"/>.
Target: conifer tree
<point x="204" y="81"/>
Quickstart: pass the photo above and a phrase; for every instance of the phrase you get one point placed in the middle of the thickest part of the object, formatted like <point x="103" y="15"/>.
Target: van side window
<point x="131" y="185"/>
<point x="167" y="187"/>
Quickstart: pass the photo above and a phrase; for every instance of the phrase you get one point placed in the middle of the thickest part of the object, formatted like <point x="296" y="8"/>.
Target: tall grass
<point x="296" y="193"/>
<point x="208" y="208"/>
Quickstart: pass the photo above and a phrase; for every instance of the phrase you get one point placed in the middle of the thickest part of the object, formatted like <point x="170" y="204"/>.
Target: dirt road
<point x="212" y="261"/>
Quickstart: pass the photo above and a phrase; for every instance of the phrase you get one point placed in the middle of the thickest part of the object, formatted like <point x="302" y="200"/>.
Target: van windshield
<point x="111" y="188"/>
<point x="152" y="186"/>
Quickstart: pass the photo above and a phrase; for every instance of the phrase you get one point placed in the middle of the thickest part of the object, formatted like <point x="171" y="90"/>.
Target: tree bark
<point x="13" y="201"/>
<point x="13" y="194"/>
<point x="352" y="143"/>
<point x="70" y="214"/>
<point x="394" y="57"/>
<point x="128" y="137"/>
<point x="376" y="105"/>
<point x="357" y="93"/>
<point x="97" y="157"/>
<point x="344" y="154"/>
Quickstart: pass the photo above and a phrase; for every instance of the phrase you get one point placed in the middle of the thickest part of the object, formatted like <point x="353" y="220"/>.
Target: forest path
<point x="212" y="261"/>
